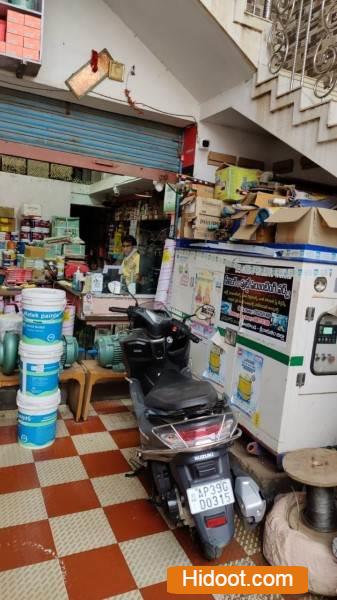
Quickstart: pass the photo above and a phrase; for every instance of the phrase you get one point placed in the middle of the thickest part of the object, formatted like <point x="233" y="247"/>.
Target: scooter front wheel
<point x="211" y="552"/>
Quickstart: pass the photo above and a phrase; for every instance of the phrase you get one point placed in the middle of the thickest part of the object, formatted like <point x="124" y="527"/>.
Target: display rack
<point x="18" y="65"/>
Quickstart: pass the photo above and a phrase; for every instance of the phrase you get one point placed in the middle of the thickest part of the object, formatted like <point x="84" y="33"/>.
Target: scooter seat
<point x="174" y="392"/>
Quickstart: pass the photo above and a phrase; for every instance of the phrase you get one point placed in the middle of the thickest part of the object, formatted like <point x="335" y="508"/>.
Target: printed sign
<point x="216" y="365"/>
<point x="258" y="299"/>
<point x="247" y="380"/>
<point x="205" y="290"/>
<point x="170" y="199"/>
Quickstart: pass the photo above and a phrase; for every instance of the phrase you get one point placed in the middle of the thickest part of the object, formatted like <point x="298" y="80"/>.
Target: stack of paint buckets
<point x="40" y="352"/>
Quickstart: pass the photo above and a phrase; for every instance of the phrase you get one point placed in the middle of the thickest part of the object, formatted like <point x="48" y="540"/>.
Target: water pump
<point x="109" y="351"/>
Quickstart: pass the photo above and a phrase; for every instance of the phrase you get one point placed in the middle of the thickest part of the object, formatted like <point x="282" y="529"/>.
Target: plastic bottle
<point x="76" y="280"/>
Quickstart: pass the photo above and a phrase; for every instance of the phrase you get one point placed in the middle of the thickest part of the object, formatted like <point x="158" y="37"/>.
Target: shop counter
<point x="94" y="308"/>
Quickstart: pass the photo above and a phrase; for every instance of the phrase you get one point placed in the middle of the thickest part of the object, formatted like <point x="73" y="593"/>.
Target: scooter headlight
<point x="196" y="433"/>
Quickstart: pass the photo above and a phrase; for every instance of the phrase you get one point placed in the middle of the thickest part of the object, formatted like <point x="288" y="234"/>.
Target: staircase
<point x="289" y="110"/>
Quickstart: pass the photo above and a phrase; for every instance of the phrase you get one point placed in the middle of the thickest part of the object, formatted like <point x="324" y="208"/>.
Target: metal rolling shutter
<point x="65" y="127"/>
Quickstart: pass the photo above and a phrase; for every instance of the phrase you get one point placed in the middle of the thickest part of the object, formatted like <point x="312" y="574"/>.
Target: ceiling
<point x="188" y="41"/>
<point x="120" y="187"/>
<point x="234" y="119"/>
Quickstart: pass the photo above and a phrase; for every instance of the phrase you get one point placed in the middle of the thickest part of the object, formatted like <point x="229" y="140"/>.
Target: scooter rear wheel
<point x="211" y="552"/>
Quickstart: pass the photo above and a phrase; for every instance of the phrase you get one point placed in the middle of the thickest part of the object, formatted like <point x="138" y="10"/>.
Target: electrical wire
<point x="320" y="512"/>
<point x="93" y="94"/>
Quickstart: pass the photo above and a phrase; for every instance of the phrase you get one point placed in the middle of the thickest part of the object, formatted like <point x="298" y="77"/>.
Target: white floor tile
<point x="65" y="411"/>
<point x="81" y="532"/>
<point x="18" y="508"/>
<point x="134" y="595"/>
<point x="118" y="421"/>
<point x="43" y="581"/>
<point x="130" y="454"/>
<point x="115" y="489"/>
<point x="13" y="454"/>
<point x="61" y="429"/>
<point x="89" y="443"/>
<point x="60" y="470"/>
<point x="149" y="557"/>
<point x="249" y="539"/>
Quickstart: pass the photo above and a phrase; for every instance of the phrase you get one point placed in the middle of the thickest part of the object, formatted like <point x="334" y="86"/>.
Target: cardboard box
<point x="15" y="17"/>
<point x="13" y="50"/>
<point x="31" y="43"/>
<point x="2" y="30"/>
<point x="258" y="234"/>
<point x="229" y="180"/>
<point x="31" y="54"/>
<point x="6" y="211"/>
<point x="317" y="226"/>
<point x="206" y="191"/>
<point x="193" y="233"/>
<point x="31" y="210"/>
<point x="12" y="38"/>
<point x="30" y="32"/>
<point x="30" y="21"/>
<point x="15" y="28"/>
<point x="197" y="205"/>
<point x="197" y="228"/>
<point x="9" y="227"/>
<point x="35" y="252"/>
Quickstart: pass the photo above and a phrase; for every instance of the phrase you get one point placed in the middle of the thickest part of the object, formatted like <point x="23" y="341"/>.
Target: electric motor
<point x="109" y="351"/>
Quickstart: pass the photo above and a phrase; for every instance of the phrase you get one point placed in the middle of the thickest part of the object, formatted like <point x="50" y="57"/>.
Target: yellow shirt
<point x="130" y="267"/>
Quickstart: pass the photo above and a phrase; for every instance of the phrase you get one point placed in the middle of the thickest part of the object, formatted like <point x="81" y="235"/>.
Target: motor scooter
<point x="185" y="430"/>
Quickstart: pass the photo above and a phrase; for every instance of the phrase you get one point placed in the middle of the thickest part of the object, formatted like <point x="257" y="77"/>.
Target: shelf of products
<point x="21" y="33"/>
<point x="4" y="6"/>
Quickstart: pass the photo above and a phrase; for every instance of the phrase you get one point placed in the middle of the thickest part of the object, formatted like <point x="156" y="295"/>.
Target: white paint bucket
<point x="37" y="420"/>
<point x="39" y="369"/>
<point x="42" y="316"/>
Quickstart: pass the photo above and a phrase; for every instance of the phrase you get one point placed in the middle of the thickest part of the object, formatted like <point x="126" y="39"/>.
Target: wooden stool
<point x="96" y="374"/>
<point x="75" y="376"/>
<point x="7" y="381"/>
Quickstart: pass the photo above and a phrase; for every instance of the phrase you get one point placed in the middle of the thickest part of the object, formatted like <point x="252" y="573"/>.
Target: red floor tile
<point x="69" y="498"/>
<point x="8" y="434"/>
<point x="61" y="448"/>
<point x="19" y="478"/>
<point x="134" y="519"/>
<point x="26" y="545"/>
<point x="233" y="551"/>
<point x="105" y="463"/>
<point x="159" y="592"/>
<point x="126" y="438"/>
<point x="109" y="406"/>
<point x="97" y="574"/>
<point x="92" y="425"/>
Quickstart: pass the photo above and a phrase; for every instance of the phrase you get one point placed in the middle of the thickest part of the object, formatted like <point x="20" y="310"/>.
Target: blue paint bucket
<point x="43" y="311"/>
<point x="39" y="369"/>
<point x="37" y="420"/>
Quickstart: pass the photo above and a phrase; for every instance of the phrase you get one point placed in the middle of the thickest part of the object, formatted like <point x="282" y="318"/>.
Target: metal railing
<point x="303" y="40"/>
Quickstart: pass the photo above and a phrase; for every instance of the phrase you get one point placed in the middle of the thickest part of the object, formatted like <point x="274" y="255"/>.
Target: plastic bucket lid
<point x="44" y="297"/>
<point x="41" y="353"/>
<point x="51" y="294"/>
<point x="43" y="405"/>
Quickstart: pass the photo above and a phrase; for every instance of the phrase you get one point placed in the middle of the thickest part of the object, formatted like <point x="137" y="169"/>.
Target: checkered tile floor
<point x="73" y="526"/>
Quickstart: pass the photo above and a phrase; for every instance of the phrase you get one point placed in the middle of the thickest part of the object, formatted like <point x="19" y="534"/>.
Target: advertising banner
<point x="257" y="298"/>
<point x="247" y="380"/>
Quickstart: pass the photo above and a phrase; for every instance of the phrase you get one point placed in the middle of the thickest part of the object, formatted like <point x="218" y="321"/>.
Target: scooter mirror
<point x="205" y="312"/>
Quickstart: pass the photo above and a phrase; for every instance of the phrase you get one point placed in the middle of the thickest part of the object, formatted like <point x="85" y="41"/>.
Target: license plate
<point x="210" y="495"/>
